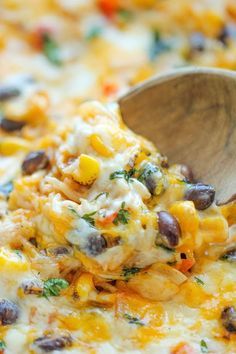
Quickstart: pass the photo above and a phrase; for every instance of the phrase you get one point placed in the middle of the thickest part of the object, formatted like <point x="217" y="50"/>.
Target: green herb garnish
<point x="127" y="175"/>
<point x="147" y="171"/>
<point x="158" y="45"/>
<point x="19" y="254"/>
<point x="88" y="218"/>
<point x="133" y="320"/>
<point x="229" y="256"/>
<point x="93" y="33"/>
<point x="204" y="347"/>
<point x="129" y="272"/>
<point x="6" y="188"/>
<point x="199" y="281"/>
<point x="100" y="194"/>
<point x="172" y="250"/>
<point x="51" y="49"/>
<point x="53" y="287"/>
<point x="2" y="344"/>
<point x="125" y="14"/>
<point x="122" y="216"/>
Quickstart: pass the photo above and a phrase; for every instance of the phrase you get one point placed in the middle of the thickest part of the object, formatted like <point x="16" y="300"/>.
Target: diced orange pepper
<point x="36" y="37"/>
<point x="110" y="88"/>
<point x="108" y="219"/>
<point x="185" y="265"/>
<point x="183" y="348"/>
<point x="108" y="7"/>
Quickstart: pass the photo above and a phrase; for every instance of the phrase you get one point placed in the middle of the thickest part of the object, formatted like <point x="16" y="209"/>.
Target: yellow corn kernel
<point x="2" y="41"/>
<point x="84" y="286"/>
<point x="93" y="326"/>
<point x="11" y="145"/>
<point x="87" y="171"/>
<point x="231" y="9"/>
<point x="142" y="74"/>
<point x="145" y="3"/>
<point x="12" y="261"/>
<point x="99" y="146"/>
<point x="210" y="22"/>
<point x="214" y="229"/>
<point x="193" y="294"/>
<point x="229" y="212"/>
<point x="103" y="298"/>
<point x="140" y="158"/>
<point x="188" y="219"/>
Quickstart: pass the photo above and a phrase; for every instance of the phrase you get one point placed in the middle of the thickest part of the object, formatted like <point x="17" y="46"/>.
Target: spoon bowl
<point x="190" y="114"/>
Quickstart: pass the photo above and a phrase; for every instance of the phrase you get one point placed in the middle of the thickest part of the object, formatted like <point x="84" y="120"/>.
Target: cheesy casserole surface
<point x="104" y="247"/>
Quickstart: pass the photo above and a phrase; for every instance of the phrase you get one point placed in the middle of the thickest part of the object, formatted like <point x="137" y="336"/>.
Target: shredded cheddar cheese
<point x="104" y="248"/>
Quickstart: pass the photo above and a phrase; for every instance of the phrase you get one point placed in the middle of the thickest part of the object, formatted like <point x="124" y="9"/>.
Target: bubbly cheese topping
<point x="104" y="247"/>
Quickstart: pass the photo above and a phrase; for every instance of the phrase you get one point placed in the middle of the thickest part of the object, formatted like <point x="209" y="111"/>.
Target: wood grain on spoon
<point x="190" y="115"/>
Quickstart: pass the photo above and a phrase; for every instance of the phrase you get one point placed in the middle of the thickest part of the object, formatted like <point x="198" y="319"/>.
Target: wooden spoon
<point x="190" y="114"/>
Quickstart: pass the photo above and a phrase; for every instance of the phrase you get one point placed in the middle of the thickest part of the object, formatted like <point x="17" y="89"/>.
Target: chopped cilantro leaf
<point x="73" y="210"/>
<point x="125" y="14"/>
<point x="204" y="347"/>
<point x="2" y="345"/>
<point x="6" y="188"/>
<point x="88" y="218"/>
<point x="158" y="45"/>
<point x="53" y="287"/>
<point x="19" y="254"/>
<point x="199" y="281"/>
<point x="127" y="175"/>
<point x="93" y="33"/>
<point x="171" y="263"/>
<point x="133" y="320"/>
<point x="229" y="256"/>
<point x="129" y="272"/>
<point x="172" y="250"/>
<point x="51" y="49"/>
<point x="122" y="216"/>
<point x="147" y="171"/>
<point x="100" y="194"/>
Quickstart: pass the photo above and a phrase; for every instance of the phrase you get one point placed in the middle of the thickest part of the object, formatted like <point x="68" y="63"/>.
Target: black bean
<point x="32" y="287"/>
<point x="50" y="343"/>
<point x="9" y="125"/>
<point x="229" y="256"/>
<point x="187" y="173"/>
<point x="202" y="195"/>
<point x="197" y="42"/>
<point x="224" y="35"/>
<point x="96" y="245"/>
<point x="8" y="92"/>
<point x="228" y="318"/>
<point x="152" y="177"/>
<point x="169" y="229"/>
<point x="9" y="312"/>
<point x="59" y="251"/>
<point x="6" y="188"/>
<point x="34" y="161"/>
<point x="164" y="162"/>
<point x="33" y="241"/>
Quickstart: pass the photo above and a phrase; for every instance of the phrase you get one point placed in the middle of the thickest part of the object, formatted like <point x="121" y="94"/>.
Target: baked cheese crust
<point x="104" y="247"/>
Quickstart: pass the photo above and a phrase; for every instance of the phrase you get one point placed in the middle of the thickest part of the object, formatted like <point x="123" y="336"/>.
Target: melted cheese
<point x="126" y="293"/>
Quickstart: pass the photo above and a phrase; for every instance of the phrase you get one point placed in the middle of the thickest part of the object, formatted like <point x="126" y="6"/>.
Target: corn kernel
<point x="11" y="145"/>
<point x="214" y="229"/>
<point x="88" y="170"/>
<point x="145" y="3"/>
<point x="188" y="219"/>
<point x="12" y="261"/>
<point x="99" y="146"/>
<point x="142" y="74"/>
<point x="84" y="286"/>
<point x="229" y="212"/>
